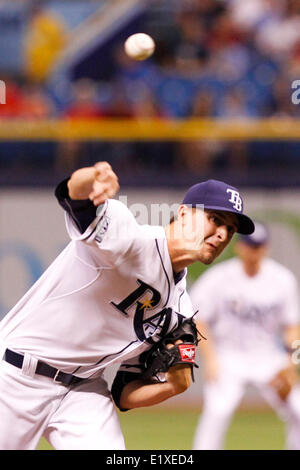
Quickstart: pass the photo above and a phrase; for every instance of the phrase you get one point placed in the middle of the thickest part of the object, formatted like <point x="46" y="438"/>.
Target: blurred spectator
<point x="203" y="104"/>
<point x="203" y="156"/>
<point x="157" y="155"/>
<point x="14" y="97"/>
<point x="230" y="56"/>
<point x="229" y="64"/>
<point x="131" y="76"/>
<point x="234" y="105"/>
<point x="199" y="156"/>
<point x="208" y="10"/>
<point x="224" y="32"/>
<point x="45" y="38"/>
<point x="84" y="105"/>
<point x="146" y="106"/>
<point x="191" y="52"/>
<point x="84" y="102"/>
<point x="250" y="15"/>
<point x="35" y="103"/>
<point x="119" y="105"/>
<point x="280" y="34"/>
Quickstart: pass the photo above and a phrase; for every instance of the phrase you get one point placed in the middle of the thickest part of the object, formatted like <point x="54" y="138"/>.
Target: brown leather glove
<point x="284" y="381"/>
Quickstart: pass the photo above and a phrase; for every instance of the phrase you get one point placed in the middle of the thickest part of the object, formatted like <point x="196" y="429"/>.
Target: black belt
<point x="42" y="368"/>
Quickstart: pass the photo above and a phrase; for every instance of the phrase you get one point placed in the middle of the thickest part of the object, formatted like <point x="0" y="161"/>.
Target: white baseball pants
<point x="70" y="418"/>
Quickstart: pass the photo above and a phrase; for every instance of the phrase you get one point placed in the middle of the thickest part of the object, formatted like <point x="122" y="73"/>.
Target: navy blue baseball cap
<point x="213" y="194"/>
<point x="260" y="236"/>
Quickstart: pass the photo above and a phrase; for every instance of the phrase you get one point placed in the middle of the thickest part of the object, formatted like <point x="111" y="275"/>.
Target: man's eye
<point x="215" y="219"/>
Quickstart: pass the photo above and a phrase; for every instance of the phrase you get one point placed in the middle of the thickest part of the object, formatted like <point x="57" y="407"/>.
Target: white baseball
<point x="139" y="46"/>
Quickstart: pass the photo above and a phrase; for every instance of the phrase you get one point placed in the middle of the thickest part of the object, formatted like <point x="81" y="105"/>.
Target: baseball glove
<point x="284" y="381"/>
<point x="163" y="355"/>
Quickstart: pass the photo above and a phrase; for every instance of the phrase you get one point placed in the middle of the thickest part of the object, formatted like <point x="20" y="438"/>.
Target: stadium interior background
<point x="214" y="101"/>
<point x="215" y="59"/>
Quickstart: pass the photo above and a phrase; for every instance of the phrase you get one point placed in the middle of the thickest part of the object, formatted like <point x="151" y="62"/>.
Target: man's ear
<point x="181" y="212"/>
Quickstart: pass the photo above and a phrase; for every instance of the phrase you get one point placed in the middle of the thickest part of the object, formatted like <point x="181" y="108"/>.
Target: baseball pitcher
<point x="116" y="294"/>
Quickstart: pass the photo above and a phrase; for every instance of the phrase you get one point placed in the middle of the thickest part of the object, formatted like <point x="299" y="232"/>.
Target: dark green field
<point x="173" y="430"/>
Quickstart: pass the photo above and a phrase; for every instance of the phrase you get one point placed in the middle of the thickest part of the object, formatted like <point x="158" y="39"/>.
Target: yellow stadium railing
<point x="150" y="129"/>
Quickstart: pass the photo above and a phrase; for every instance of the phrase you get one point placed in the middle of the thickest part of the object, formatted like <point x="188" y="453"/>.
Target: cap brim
<point x="246" y="225"/>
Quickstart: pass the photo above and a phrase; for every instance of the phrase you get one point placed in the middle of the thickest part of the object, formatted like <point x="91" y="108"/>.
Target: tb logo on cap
<point x="235" y="199"/>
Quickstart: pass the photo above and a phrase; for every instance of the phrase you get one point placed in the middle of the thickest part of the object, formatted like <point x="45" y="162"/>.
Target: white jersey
<point x="246" y="314"/>
<point x="105" y="298"/>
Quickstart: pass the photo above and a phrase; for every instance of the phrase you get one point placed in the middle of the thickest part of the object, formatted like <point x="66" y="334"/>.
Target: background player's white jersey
<point x="114" y="284"/>
<point x="244" y="313"/>
<point x="246" y="318"/>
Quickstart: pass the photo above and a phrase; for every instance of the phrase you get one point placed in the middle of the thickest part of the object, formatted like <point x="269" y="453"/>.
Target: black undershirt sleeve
<point x="83" y="212"/>
<point x="121" y="379"/>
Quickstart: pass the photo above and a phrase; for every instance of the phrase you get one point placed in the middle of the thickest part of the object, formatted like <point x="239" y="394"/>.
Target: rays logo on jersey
<point x="146" y="323"/>
<point x="251" y="312"/>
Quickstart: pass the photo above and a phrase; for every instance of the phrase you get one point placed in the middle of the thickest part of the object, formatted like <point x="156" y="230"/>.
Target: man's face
<point x="199" y="235"/>
<point x="218" y="229"/>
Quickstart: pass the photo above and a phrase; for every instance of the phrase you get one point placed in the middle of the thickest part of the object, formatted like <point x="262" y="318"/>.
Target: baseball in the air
<point x="139" y="46"/>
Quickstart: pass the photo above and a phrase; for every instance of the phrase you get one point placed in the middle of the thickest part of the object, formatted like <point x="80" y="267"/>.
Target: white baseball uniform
<point x="106" y="298"/>
<point x="245" y="316"/>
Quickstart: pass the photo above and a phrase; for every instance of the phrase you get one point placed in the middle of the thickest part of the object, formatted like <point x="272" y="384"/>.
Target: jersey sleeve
<point x="115" y="235"/>
<point x="128" y="371"/>
<point x="110" y="229"/>
<point x="82" y="212"/>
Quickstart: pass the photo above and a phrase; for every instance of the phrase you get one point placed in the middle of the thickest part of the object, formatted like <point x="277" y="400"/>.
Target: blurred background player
<point x="248" y="311"/>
